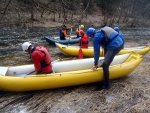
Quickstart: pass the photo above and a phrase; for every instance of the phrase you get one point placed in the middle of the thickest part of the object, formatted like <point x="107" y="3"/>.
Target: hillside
<point x="52" y="13"/>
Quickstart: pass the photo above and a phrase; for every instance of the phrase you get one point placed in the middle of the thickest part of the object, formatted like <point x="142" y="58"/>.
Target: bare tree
<point x="5" y="9"/>
<point x="83" y="12"/>
<point x="126" y="12"/>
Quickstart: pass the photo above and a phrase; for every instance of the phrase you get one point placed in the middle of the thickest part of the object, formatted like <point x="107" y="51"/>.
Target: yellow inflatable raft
<point x="65" y="73"/>
<point x="74" y="50"/>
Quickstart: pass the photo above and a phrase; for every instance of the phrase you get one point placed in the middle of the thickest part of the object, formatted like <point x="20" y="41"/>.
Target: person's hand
<point x="69" y="27"/>
<point x="68" y="36"/>
<point x="95" y="67"/>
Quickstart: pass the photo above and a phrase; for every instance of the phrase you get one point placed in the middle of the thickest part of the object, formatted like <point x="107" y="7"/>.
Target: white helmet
<point x="26" y="45"/>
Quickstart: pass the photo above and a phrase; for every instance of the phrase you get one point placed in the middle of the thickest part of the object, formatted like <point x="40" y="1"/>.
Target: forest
<point x="101" y="12"/>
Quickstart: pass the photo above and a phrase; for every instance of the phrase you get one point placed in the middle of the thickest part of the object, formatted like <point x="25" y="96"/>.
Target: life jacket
<point x="47" y="61"/>
<point x="61" y="33"/>
<point x="84" y="41"/>
<point x="110" y="33"/>
<point x="79" y="32"/>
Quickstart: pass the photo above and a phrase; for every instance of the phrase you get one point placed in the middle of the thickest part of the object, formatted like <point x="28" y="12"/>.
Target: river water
<point x="51" y="101"/>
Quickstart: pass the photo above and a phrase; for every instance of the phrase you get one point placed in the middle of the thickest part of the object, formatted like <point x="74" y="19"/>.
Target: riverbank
<point x="127" y="94"/>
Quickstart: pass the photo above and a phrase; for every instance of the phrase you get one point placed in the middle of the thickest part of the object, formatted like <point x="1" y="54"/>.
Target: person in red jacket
<point x="84" y="39"/>
<point x="81" y="27"/>
<point x="40" y="57"/>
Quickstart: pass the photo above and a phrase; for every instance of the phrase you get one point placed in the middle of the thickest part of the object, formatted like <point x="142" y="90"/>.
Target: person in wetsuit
<point x="109" y="39"/>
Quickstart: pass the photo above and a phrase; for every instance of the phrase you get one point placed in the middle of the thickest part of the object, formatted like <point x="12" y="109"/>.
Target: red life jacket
<point x="80" y="30"/>
<point x="84" y="41"/>
<point x="42" y="60"/>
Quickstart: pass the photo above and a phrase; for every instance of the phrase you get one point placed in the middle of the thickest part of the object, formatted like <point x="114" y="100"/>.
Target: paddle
<point x="26" y="74"/>
<point x="80" y="53"/>
<point x="70" y="35"/>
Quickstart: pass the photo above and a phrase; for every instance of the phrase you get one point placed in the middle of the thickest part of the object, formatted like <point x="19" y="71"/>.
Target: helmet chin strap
<point x="92" y="36"/>
<point x="30" y="50"/>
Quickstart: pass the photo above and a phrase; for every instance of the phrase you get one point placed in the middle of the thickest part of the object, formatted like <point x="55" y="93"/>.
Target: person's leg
<point x="109" y="56"/>
<point x="62" y="38"/>
<point x="105" y="51"/>
<point x="107" y="60"/>
<point x="106" y="76"/>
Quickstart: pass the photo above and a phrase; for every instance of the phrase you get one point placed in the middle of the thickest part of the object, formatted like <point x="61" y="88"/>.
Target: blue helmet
<point x="116" y="28"/>
<point x="90" y="31"/>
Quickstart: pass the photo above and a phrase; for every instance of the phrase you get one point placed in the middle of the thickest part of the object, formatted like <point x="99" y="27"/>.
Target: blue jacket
<point x="122" y="37"/>
<point x="62" y="37"/>
<point x="114" y="42"/>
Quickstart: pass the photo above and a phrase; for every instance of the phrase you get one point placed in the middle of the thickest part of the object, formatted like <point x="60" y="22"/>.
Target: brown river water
<point x="130" y="94"/>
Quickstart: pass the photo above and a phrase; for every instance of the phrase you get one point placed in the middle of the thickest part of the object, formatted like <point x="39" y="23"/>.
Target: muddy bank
<point x="127" y="94"/>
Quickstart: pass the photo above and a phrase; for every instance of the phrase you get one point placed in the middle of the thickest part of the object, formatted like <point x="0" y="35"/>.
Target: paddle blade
<point x="80" y="54"/>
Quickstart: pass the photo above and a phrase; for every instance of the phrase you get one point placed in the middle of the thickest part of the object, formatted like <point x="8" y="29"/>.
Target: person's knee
<point x="104" y="65"/>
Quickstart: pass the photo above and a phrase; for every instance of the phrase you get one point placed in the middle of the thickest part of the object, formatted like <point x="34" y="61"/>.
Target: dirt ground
<point x="130" y="94"/>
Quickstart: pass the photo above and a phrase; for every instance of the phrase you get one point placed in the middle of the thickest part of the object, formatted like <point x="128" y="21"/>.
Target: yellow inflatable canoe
<point x="65" y="73"/>
<point x="74" y="50"/>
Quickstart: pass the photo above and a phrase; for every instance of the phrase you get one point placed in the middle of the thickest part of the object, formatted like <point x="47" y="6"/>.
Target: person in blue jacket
<point x="109" y="39"/>
<point x="120" y="34"/>
<point x="63" y="32"/>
